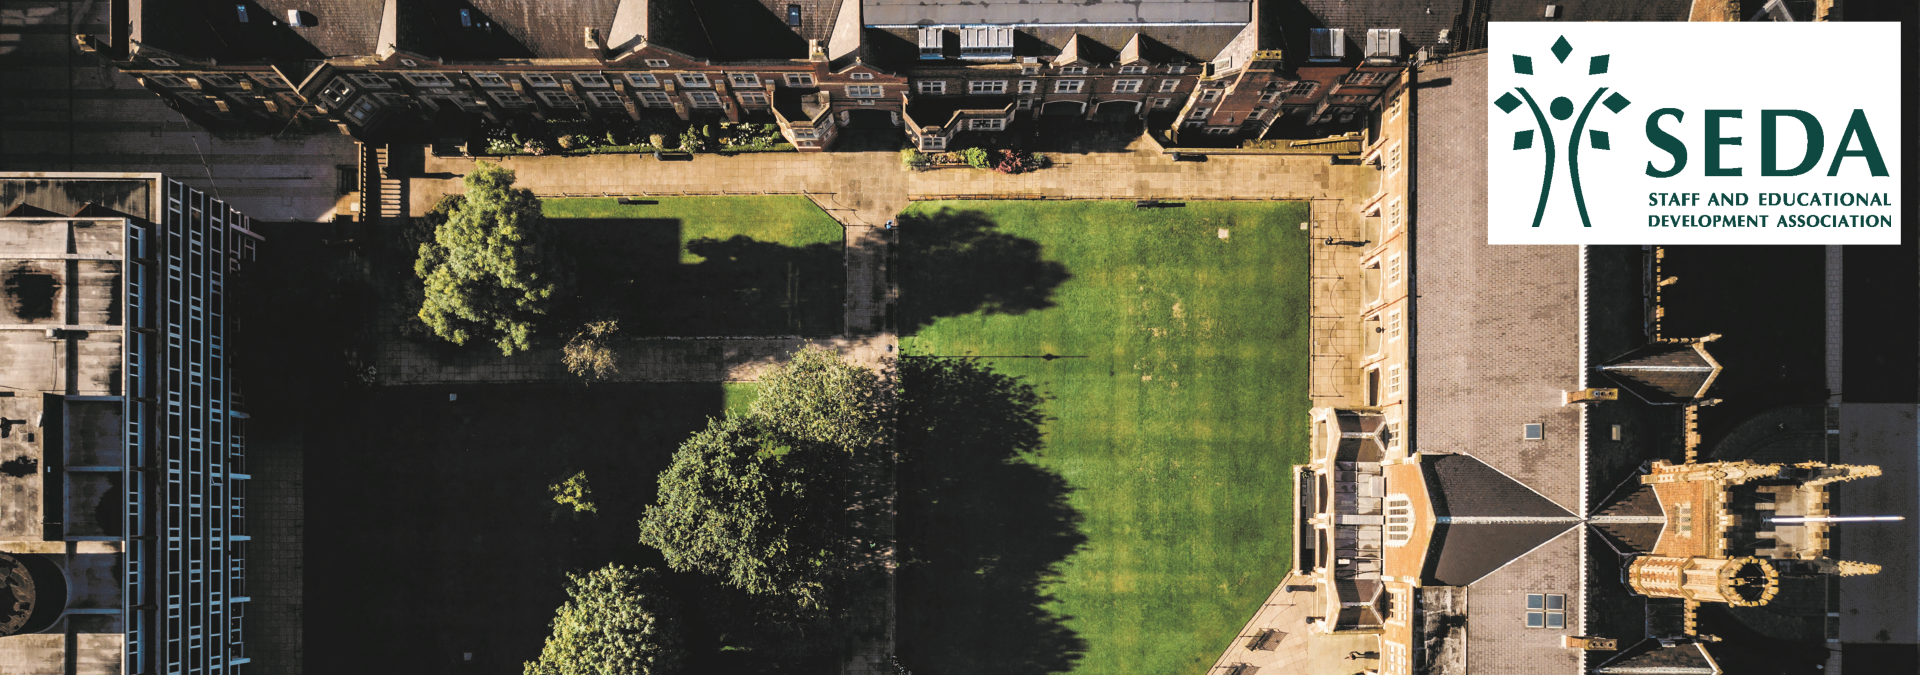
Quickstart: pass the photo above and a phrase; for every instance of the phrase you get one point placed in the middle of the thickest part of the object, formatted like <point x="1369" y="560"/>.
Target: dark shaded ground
<point x="631" y="269"/>
<point x="1881" y="293"/>
<point x="981" y="530"/>
<point x="963" y="264"/>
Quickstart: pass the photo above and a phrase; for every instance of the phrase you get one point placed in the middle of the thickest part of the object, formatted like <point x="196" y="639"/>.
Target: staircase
<point x="381" y="196"/>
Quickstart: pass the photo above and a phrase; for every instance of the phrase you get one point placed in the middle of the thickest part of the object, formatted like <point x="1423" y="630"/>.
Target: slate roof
<point x="1419" y="21"/>
<point x="900" y="47"/>
<point x="1633" y="500"/>
<point x="1463" y="553"/>
<point x="1664" y="373"/>
<point x="1464" y="486"/>
<point x="1591" y="10"/>
<point x="1649" y="654"/>
<point x="896" y="12"/>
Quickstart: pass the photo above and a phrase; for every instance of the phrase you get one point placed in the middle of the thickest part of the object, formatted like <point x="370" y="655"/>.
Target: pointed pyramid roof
<point x="1667" y="373"/>
<point x="1651" y="657"/>
<point x="1631" y="517"/>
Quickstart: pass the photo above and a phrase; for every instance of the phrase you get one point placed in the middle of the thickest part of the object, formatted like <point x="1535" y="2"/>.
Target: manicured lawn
<point x="1177" y="408"/>
<point x="740" y="395"/>
<point x="706" y="265"/>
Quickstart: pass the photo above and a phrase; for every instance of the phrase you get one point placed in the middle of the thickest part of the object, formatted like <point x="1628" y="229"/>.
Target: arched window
<point x="1399" y="520"/>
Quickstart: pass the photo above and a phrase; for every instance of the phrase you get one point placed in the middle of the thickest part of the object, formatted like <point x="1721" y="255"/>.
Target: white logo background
<point x="1694" y="67"/>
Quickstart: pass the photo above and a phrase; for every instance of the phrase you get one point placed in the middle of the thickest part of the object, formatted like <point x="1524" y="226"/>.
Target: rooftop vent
<point x="1329" y="44"/>
<point x="298" y="18"/>
<point x="933" y="43"/>
<point x="1553" y="11"/>
<point x="1446" y="36"/>
<point x="986" y="43"/>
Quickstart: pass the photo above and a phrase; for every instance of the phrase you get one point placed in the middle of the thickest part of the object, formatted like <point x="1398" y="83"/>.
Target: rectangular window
<point x="1394" y="440"/>
<point x="1024" y="104"/>
<point x="220" y="80"/>
<point x="335" y="93"/>
<point x="933" y="143"/>
<point x="364" y="109"/>
<point x="1393" y="110"/>
<point x="1393" y="270"/>
<point x="606" y="99"/>
<point x="1546" y="610"/>
<point x="1221" y="131"/>
<point x="1304" y="88"/>
<point x="1533" y="432"/>
<point x="861" y="76"/>
<point x="242" y="9"/>
<point x="932" y="86"/>
<point x="1176" y="69"/>
<point x="1393" y="318"/>
<point x="1267" y="98"/>
<point x="427" y="79"/>
<point x="1133" y="70"/>
<point x="559" y="99"/>
<point x="510" y="99"/>
<point x="1029" y="86"/>
<point x="1162" y="103"/>
<point x="656" y="99"/>
<point x="987" y="125"/>
<point x="1393" y="159"/>
<point x="1327" y="44"/>
<point x="757" y="99"/>
<point x="1169" y="86"/>
<point x="656" y="63"/>
<point x="704" y="99"/>
<point x="1068" y="86"/>
<point x="272" y="80"/>
<point x="1683" y="519"/>
<point x="1209" y="95"/>
<point x="540" y="79"/>
<point x="1127" y="86"/>
<point x="1073" y="70"/>
<point x="864" y="91"/>
<point x="1200" y="113"/>
<point x="466" y="18"/>
<point x="803" y="132"/>
<point x="987" y="87"/>
<point x="643" y="80"/>
<point x="488" y="79"/>
<point x="370" y="81"/>
<point x="1029" y="70"/>
<point x="1195" y="124"/>
<point x="799" y="79"/>
<point x="793" y="16"/>
<point x="743" y="79"/>
<point x="694" y="80"/>
<point x="590" y="79"/>
<point x="1393" y="381"/>
<point x="933" y="42"/>
<point x="177" y="82"/>
<point x="1394" y="214"/>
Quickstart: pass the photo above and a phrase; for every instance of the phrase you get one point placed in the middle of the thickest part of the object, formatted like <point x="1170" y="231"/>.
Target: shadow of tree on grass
<point x="957" y="262"/>
<point x="981" y="530"/>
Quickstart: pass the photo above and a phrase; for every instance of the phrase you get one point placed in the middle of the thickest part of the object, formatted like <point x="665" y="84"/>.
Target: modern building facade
<point x="417" y="70"/>
<point x="123" y="500"/>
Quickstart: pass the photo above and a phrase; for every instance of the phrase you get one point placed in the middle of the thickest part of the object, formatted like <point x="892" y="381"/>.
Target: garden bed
<point x="645" y="136"/>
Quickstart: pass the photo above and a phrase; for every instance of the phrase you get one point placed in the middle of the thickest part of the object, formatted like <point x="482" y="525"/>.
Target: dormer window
<point x="656" y="63"/>
<point x="1073" y="70"/>
<point x="1328" y="44"/>
<point x="369" y="80"/>
<point x="488" y="79"/>
<point x="336" y="91"/>
<point x="987" y="43"/>
<point x="1133" y="70"/>
<point x="540" y="79"/>
<point x="218" y="80"/>
<point x="178" y="82"/>
<point x="1177" y="69"/>
<point x="743" y="79"/>
<point x="643" y="80"/>
<point x="861" y="76"/>
<point x="933" y="43"/>
<point x="694" y="80"/>
<point x="590" y="79"/>
<point x="428" y="79"/>
<point x="1383" y="44"/>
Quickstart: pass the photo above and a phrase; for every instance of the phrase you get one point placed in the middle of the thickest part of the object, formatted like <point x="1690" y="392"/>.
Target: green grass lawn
<point x="1180" y="406"/>
<point x="706" y="265"/>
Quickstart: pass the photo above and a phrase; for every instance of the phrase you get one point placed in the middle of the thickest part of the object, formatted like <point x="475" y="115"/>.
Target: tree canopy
<point x="616" y="622"/>
<point x="770" y="499"/>
<point x="489" y="270"/>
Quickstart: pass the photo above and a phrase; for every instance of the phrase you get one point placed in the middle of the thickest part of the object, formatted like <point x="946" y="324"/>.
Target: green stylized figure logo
<point x="1561" y="108"/>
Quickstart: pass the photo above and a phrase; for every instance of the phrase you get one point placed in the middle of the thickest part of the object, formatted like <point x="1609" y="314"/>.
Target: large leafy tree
<point x="490" y="272"/>
<point x="772" y="500"/>
<point x="616" y="622"/>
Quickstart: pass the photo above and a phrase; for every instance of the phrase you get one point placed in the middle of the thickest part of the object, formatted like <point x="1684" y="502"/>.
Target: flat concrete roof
<point x="955" y="12"/>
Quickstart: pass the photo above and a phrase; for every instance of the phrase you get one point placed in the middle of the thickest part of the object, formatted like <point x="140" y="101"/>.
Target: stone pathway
<point x="1336" y="305"/>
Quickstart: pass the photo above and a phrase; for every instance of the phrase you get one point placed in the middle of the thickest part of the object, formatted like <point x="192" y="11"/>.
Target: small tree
<point x="590" y="353"/>
<point x="574" y="492"/>
<point x="692" y="141"/>
<point x="976" y="158"/>
<point x="820" y="399"/>
<point x="616" y="622"/>
<point x="658" y="141"/>
<point x="912" y="158"/>
<point x="489" y="272"/>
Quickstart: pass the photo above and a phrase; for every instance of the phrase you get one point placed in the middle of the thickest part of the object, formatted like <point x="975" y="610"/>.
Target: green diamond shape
<point x="1561" y="49"/>
<point x="1523" y="64"/>
<point x="1616" y="102"/>
<point x="1600" y="141"/>
<point x="1597" y="65"/>
<point x="1507" y="102"/>
<point x="1523" y="139"/>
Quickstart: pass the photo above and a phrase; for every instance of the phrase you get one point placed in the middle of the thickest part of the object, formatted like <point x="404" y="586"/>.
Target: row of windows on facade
<point x="467" y="17"/>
